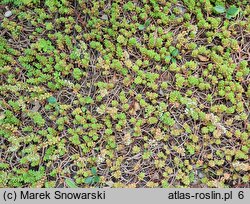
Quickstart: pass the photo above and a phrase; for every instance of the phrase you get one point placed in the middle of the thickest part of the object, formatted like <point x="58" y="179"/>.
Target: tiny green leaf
<point x="167" y="59"/>
<point x="141" y="27"/>
<point x="192" y="176"/>
<point x="173" y="60"/>
<point x="175" y="52"/>
<point x="93" y="171"/>
<point x="147" y="23"/>
<point x="71" y="183"/>
<point x="219" y="9"/>
<point x="51" y="99"/>
<point x="96" y="179"/>
<point x="232" y="12"/>
<point x="88" y="180"/>
<point x="171" y="49"/>
<point x="89" y="100"/>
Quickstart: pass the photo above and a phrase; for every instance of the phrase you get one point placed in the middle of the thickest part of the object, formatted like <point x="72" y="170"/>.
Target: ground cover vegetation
<point x="120" y="93"/>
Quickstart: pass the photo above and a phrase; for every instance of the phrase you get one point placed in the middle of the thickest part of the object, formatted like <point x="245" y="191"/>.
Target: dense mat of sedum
<point x="102" y="93"/>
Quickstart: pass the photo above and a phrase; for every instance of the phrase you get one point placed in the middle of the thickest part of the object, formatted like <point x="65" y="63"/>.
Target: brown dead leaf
<point x="127" y="139"/>
<point x="2" y="116"/>
<point x="135" y="108"/>
<point x="36" y="107"/>
<point x="203" y="58"/>
<point x="114" y="79"/>
<point x="126" y="55"/>
<point x="156" y="176"/>
<point x="137" y="166"/>
<point x="226" y="176"/>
